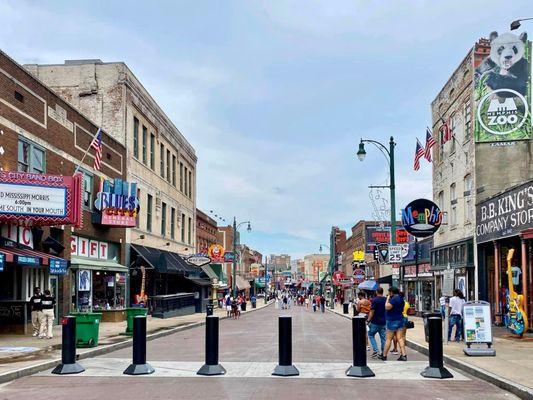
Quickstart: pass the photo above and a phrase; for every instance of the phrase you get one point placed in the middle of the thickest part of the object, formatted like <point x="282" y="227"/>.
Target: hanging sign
<point x="58" y="266"/>
<point x="216" y="253"/>
<point x="421" y="218"/>
<point x="358" y="255"/>
<point x="198" y="260"/>
<point x="118" y="203"/>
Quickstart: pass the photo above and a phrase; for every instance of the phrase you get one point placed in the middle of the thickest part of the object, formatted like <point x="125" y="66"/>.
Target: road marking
<point x="114" y="367"/>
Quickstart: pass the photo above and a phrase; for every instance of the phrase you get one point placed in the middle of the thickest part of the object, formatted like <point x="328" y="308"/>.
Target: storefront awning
<point x="242" y="284"/>
<point x="100" y="265"/>
<point x="26" y="256"/>
<point x="200" y="281"/>
<point x="163" y="261"/>
<point x="209" y="272"/>
<point x="385" y="279"/>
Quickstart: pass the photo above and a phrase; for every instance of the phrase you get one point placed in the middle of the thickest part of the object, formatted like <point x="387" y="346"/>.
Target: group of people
<point x="42" y="313"/>
<point x="233" y="305"/>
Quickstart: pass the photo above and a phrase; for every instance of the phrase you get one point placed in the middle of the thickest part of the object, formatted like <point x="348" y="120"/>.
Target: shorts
<point x="405" y="319"/>
<point x="393" y="326"/>
<point x="228" y="308"/>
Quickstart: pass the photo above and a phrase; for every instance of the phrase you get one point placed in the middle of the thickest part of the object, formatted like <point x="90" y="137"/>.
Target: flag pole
<point x="86" y="151"/>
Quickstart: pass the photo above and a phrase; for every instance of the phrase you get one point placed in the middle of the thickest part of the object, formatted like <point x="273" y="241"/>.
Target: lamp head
<point x="515" y="24"/>
<point x="320" y="249"/>
<point x="361" y="153"/>
<point x="249" y="227"/>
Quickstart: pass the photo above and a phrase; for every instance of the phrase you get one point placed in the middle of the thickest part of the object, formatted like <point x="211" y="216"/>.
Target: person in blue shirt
<point x="395" y="322"/>
<point x="377" y="322"/>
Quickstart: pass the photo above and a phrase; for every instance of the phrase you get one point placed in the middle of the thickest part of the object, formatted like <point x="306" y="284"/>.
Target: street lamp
<point x="234" y="270"/>
<point x="389" y="155"/>
<point x="320" y="248"/>
<point x="516" y="24"/>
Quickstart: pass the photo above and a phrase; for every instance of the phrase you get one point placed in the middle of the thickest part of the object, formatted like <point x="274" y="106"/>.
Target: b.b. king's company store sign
<point x="118" y="203"/>
<point x="506" y="214"/>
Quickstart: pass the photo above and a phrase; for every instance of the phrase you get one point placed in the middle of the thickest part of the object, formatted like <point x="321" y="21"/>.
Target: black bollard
<point x="436" y="359"/>
<point x="285" y="367"/>
<point x="139" y="365"/>
<point x="211" y="366"/>
<point x="359" y="367"/>
<point x="68" y="349"/>
<point x="345" y="308"/>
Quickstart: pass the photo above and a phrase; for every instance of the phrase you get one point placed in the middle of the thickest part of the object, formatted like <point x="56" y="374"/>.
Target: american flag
<point x="430" y="142"/>
<point x="419" y="153"/>
<point x="97" y="146"/>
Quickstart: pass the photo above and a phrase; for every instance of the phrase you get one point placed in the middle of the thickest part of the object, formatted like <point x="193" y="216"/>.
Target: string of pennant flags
<point x="425" y="151"/>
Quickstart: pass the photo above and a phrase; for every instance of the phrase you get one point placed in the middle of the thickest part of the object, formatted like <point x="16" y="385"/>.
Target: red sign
<point x="424" y="269"/>
<point x="409" y="271"/>
<point x="40" y="199"/>
<point x="337" y="277"/>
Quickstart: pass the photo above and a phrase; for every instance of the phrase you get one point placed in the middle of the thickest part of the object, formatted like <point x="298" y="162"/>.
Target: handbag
<point x="410" y="325"/>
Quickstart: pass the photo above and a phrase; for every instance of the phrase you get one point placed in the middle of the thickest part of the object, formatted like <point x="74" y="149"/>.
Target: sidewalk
<point x="19" y="352"/>
<point x="512" y="365"/>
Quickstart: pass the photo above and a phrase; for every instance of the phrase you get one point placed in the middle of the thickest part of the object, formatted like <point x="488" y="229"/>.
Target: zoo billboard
<point x="502" y="90"/>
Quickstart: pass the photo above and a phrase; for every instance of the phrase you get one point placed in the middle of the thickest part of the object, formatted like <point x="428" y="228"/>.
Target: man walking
<point x="456" y="315"/>
<point x="376" y="322"/>
<point x="322" y="303"/>
<point x="36" y="311"/>
<point x="47" y="316"/>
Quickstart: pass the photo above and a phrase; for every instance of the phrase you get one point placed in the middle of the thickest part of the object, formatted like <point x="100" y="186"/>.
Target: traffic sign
<point x="395" y="254"/>
<point x="198" y="260"/>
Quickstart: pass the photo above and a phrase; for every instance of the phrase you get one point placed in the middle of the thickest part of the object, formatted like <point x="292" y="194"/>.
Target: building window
<point x="174" y="170"/>
<point x="186" y="184"/>
<point x="172" y="222"/>
<point x="162" y="160"/>
<point x="87" y="201"/>
<point x="168" y="165"/>
<point x="152" y="151"/>
<point x="468" y="120"/>
<point x="31" y="157"/>
<point x="189" y="232"/>
<point x="149" y="205"/>
<point x="440" y="200"/>
<point x="190" y="184"/>
<point x="183" y="228"/>
<point x="19" y="96"/>
<point x="469" y="210"/>
<point x="145" y="143"/>
<point x="453" y="205"/>
<point x="181" y="177"/>
<point x="453" y="125"/>
<point x="135" y="137"/>
<point x="163" y="219"/>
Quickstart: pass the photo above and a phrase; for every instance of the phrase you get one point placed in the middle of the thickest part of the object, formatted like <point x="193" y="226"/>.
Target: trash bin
<point x="130" y="314"/>
<point x="243" y="306"/>
<point x="425" y="317"/>
<point x="209" y="309"/>
<point x="87" y="327"/>
<point x="345" y="308"/>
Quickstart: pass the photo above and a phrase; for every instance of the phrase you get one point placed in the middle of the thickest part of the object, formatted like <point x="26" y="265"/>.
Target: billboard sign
<point x="40" y="199"/>
<point x="421" y="218"/>
<point x="503" y="90"/>
<point x="118" y="203"/>
<point x="376" y="234"/>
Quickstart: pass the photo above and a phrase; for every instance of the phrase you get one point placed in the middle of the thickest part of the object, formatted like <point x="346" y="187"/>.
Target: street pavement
<point x="249" y="351"/>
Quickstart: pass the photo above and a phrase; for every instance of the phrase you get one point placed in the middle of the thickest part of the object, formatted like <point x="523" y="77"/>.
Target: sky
<point x="275" y="95"/>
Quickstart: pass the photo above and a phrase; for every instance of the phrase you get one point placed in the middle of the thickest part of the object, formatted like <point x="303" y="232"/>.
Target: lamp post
<point x="389" y="154"/>
<point x="234" y="270"/>
<point x="322" y="245"/>
<point x="516" y="24"/>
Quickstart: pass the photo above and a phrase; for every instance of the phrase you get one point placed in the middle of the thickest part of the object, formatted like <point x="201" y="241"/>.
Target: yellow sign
<point x="358" y="255"/>
<point x="216" y="252"/>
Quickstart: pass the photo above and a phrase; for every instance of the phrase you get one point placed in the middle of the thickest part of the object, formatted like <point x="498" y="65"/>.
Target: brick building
<point x="206" y="231"/>
<point x="43" y="134"/>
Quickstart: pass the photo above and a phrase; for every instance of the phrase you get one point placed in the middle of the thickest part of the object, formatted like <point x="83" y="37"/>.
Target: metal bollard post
<point x="285" y="367"/>
<point x="139" y="365"/>
<point x="211" y="366"/>
<point x="436" y="359"/>
<point x="345" y="308"/>
<point x="359" y="367"/>
<point x="68" y="349"/>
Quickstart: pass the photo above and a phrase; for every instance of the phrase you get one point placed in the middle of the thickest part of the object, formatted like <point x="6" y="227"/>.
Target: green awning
<point x="99" y="265"/>
<point x="209" y="272"/>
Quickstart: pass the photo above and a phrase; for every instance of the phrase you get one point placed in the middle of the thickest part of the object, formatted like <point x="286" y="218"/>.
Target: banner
<point x="502" y="91"/>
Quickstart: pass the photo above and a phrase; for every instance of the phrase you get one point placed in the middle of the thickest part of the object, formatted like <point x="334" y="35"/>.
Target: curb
<point x="98" y="351"/>
<point x="517" y="389"/>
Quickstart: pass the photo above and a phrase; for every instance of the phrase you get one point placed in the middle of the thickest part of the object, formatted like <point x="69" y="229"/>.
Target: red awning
<point x="11" y="252"/>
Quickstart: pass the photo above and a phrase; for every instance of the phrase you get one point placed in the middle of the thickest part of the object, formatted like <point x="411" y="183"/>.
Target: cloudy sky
<point x="275" y="95"/>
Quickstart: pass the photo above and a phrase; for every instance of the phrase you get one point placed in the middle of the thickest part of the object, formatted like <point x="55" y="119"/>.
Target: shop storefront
<point x="505" y="222"/>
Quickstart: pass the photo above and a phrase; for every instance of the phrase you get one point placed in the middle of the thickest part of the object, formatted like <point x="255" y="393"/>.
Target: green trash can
<point x="130" y="314"/>
<point x="87" y="327"/>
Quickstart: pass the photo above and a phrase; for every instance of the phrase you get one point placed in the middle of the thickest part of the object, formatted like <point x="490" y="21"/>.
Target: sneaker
<point x="41" y="337"/>
<point x="35" y="334"/>
<point x="382" y="358"/>
<point x="50" y="337"/>
<point x="367" y="348"/>
<point x="395" y="352"/>
<point x="402" y="358"/>
<point x="374" y="354"/>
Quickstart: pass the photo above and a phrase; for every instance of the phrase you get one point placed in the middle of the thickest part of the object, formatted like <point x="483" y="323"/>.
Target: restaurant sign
<point x="506" y="214"/>
<point x="118" y="203"/>
<point x="376" y="234"/>
<point x="40" y="199"/>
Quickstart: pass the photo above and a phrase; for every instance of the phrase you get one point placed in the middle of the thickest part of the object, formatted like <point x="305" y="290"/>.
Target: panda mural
<point x="506" y="67"/>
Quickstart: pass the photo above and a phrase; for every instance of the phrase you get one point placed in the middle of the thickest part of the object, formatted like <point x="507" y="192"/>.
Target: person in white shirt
<point x="442" y="301"/>
<point x="456" y="315"/>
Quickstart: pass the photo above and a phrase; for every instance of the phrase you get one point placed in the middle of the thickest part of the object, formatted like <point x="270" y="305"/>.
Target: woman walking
<point x="394" y="305"/>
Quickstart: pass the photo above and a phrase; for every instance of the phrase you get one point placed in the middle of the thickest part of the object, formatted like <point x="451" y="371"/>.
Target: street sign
<point x="198" y="260"/>
<point x="383" y="252"/>
<point x="395" y="254"/>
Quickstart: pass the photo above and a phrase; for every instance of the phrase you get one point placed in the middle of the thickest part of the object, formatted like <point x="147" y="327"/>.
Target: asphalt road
<point x="249" y="351"/>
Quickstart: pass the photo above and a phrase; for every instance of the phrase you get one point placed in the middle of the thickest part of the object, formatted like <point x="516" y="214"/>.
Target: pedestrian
<point x="47" y="316"/>
<point x="363" y="309"/>
<point x="277" y="303"/>
<point x="314" y="303"/>
<point x="377" y="322"/>
<point x="234" y="308"/>
<point x="36" y="310"/>
<point x="228" y="305"/>
<point x="322" y="304"/>
<point x="284" y="306"/>
<point x="394" y="308"/>
<point x="306" y="302"/>
<point x="406" y="307"/>
<point x="442" y="301"/>
<point x="456" y="315"/>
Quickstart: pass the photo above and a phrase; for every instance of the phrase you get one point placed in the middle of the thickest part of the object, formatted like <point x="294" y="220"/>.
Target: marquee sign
<point x="40" y="199"/>
<point x="118" y="203"/>
<point x="421" y="218"/>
